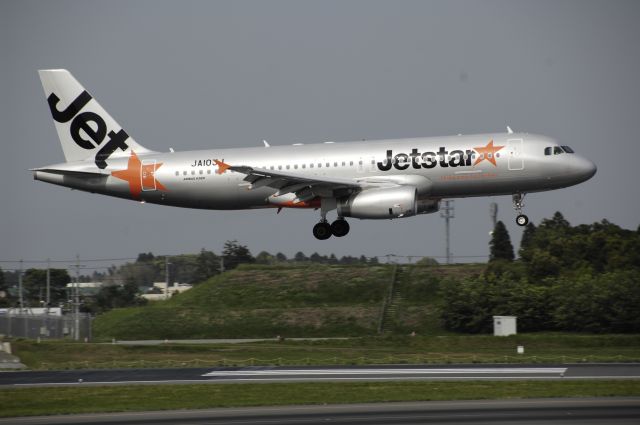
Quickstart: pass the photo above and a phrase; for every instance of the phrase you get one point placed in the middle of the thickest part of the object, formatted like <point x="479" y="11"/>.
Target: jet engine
<point x="428" y="206"/>
<point x="394" y="202"/>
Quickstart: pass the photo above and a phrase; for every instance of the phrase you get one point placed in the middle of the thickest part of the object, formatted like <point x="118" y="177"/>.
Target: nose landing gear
<point x="518" y="204"/>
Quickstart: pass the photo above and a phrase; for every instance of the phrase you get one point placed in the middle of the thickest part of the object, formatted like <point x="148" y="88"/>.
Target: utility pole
<point x="493" y="211"/>
<point x="76" y="302"/>
<point x="21" y="297"/>
<point x="166" y="277"/>
<point x="48" y="285"/>
<point x="447" y="212"/>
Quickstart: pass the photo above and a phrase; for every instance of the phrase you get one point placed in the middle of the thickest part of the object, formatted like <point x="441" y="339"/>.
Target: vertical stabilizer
<point x="86" y="130"/>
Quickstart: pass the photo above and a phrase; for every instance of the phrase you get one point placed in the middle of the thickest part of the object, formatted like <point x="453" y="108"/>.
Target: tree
<point x="3" y="285"/>
<point x="527" y="241"/>
<point x="143" y="273"/>
<point x="207" y="265"/>
<point x="557" y="222"/>
<point x="183" y="269"/>
<point x="235" y="254"/>
<point x="427" y="261"/>
<point x="117" y="296"/>
<point x="145" y="257"/>
<point x="500" y="244"/>
<point x="264" y="258"/>
<point x="316" y="258"/>
<point x="300" y="257"/>
<point x="35" y="283"/>
<point x="281" y="258"/>
<point x="347" y="259"/>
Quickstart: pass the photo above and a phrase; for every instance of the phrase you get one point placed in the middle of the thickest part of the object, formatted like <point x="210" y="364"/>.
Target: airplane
<point x="377" y="179"/>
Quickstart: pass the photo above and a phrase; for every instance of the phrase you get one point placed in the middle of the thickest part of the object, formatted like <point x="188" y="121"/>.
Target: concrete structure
<point x="34" y="311"/>
<point x="85" y="289"/>
<point x="161" y="292"/>
<point x="504" y="325"/>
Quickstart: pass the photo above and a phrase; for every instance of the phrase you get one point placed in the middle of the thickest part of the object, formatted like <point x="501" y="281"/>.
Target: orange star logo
<point x="487" y="152"/>
<point x="140" y="176"/>
<point x="222" y="166"/>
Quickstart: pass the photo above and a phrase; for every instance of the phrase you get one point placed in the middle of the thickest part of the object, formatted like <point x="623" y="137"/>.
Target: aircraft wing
<point x="304" y="187"/>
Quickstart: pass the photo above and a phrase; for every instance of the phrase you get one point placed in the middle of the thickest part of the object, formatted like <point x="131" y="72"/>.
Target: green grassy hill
<point x="292" y="301"/>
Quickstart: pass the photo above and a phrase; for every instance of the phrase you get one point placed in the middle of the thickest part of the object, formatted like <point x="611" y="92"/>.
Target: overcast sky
<point x="197" y="75"/>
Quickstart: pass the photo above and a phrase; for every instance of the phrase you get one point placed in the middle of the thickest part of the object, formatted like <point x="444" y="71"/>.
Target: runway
<point x="618" y="411"/>
<point x="316" y="374"/>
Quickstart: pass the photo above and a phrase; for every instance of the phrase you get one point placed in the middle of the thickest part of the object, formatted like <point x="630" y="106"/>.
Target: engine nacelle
<point x="428" y="206"/>
<point x="383" y="203"/>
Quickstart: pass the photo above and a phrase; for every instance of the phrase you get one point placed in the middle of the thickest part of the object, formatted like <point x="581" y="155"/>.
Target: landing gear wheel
<point x="339" y="228"/>
<point x="518" y="204"/>
<point x="522" y="220"/>
<point x="322" y="230"/>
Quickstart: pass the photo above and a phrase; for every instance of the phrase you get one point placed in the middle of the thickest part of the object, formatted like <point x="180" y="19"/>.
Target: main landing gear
<point x="324" y="230"/>
<point x="518" y="204"/>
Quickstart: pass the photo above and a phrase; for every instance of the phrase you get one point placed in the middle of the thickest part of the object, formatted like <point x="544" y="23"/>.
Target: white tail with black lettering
<point x="85" y="129"/>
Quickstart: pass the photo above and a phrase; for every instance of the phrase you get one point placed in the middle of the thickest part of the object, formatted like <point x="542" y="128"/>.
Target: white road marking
<point x="395" y="371"/>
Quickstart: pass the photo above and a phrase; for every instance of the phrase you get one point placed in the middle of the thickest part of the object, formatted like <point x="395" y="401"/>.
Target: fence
<point x="45" y="326"/>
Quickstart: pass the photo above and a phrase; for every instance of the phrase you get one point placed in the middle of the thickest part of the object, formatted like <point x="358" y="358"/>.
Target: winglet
<point x="509" y="131"/>
<point x="222" y="167"/>
<point x="266" y="144"/>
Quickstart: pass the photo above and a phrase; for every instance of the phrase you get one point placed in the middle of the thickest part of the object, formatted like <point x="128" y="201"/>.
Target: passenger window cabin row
<point x="286" y="167"/>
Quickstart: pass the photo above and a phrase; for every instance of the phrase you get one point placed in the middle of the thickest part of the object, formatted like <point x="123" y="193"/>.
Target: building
<point x="159" y="291"/>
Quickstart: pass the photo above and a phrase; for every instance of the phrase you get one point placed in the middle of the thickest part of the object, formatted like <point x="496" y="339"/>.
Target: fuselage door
<point x="514" y="151"/>
<point x="148" y="175"/>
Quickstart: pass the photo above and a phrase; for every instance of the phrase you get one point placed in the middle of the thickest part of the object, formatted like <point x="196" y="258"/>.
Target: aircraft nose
<point x="585" y="168"/>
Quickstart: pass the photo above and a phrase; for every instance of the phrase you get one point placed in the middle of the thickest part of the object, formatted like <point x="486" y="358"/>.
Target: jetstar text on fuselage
<point x="417" y="160"/>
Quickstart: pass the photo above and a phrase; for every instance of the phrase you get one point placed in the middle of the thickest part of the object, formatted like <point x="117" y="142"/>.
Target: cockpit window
<point x="557" y="150"/>
<point x="547" y="151"/>
<point x="567" y="149"/>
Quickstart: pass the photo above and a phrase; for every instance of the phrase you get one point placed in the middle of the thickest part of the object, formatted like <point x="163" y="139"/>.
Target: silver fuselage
<point x="189" y="179"/>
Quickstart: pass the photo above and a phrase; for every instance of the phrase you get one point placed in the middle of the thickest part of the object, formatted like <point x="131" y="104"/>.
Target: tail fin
<point x="85" y="129"/>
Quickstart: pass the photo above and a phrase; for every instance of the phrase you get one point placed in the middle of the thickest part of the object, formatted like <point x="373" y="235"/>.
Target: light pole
<point x="76" y="301"/>
<point x="166" y="277"/>
<point x="447" y="212"/>
<point x="20" y="289"/>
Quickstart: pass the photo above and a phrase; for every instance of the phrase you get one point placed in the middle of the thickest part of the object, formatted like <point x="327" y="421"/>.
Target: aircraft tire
<point x="322" y="230"/>
<point x="522" y="220"/>
<point x="340" y="228"/>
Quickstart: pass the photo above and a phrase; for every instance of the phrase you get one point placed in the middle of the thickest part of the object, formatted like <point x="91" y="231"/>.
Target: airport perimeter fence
<point x="46" y="326"/>
<point x="337" y="361"/>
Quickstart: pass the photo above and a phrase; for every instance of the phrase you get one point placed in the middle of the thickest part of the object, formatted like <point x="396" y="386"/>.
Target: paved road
<point x="317" y="374"/>
<point x="216" y="341"/>
<point x="612" y="411"/>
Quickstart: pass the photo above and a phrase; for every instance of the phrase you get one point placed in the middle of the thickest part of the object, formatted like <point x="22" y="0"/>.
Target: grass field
<point x="47" y="401"/>
<point x="539" y="348"/>
<point x="291" y="300"/>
